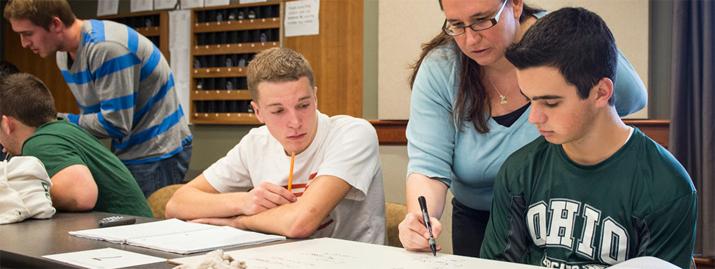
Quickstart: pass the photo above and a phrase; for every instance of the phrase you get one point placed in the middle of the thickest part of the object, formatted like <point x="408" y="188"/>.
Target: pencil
<point x="290" y="172"/>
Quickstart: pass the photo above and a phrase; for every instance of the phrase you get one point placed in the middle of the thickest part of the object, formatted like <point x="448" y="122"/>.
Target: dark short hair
<point x="25" y="98"/>
<point x="575" y="41"/>
<point x="7" y="68"/>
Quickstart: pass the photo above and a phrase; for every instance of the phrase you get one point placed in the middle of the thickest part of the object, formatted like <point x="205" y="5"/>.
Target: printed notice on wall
<point x="188" y="4"/>
<point x="164" y="4"/>
<point x="251" y="1"/>
<point x="302" y="18"/>
<point x="140" y="5"/>
<point x="180" y="38"/>
<point x="216" y="3"/>
<point x="107" y="7"/>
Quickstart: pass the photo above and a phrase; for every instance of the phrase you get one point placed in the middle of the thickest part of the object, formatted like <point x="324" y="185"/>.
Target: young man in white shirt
<point x="337" y="188"/>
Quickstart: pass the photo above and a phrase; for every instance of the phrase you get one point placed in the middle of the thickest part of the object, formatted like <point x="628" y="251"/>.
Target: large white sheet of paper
<point x="165" y="4"/>
<point x="104" y="258"/>
<point x="141" y="5"/>
<point x="187" y="4"/>
<point x="336" y="253"/>
<point x="214" y="3"/>
<point x="644" y="262"/>
<point x="107" y="7"/>
<point x="302" y="18"/>
<point x="251" y="1"/>
<point x="180" y="37"/>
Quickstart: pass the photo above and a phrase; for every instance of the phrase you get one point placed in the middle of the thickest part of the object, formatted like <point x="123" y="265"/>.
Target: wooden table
<point x="23" y="244"/>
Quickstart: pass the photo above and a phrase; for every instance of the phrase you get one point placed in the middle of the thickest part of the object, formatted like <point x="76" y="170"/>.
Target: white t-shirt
<point x="344" y="147"/>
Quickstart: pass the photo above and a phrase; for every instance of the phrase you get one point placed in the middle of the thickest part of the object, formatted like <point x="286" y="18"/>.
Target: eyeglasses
<point x="480" y="25"/>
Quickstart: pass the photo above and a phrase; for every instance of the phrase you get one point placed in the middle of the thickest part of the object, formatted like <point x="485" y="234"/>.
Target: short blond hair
<point x="277" y="65"/>
<point x="40" y="12"/>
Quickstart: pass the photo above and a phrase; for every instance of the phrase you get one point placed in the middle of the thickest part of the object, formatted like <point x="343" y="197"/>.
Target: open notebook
<point x="177" y="236"/>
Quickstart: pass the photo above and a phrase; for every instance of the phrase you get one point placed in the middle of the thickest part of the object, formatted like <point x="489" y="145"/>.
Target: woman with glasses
<point x="467" y="115"/>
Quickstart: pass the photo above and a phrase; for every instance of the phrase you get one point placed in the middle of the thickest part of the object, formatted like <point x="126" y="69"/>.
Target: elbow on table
<point x="79" y="203"/>
<point x="172" y="209"/>
<point x="86" y="204"/>
<point x="302" y="227"/>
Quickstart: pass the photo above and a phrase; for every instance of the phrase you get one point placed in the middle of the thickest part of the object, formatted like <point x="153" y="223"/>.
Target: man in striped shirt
<point x="122" y="83"/>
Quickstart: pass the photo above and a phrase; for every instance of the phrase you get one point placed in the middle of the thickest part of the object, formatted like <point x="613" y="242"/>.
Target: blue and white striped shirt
<point x="125" y="91"/>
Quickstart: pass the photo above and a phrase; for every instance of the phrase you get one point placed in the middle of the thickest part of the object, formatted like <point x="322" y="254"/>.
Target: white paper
<point x="165" y="4"/>
<point x="302" y="18"/>
<point x="182" y="77"/>
<point x="177" y="236"/>
<point x="336" y="253"/>
<point x="104" y="258"/>
<point x="214" y="3"/>
<point x="107" y="7"/>
<point x="644" y="262"/>
<point x="120" y="234"/>
<point x="141" y="5"/>
<point x="180" y="34"/>
<point x="251" y="1"/>
<point x="180" y="37"/>
<point x="188" y="4"/>
<point x="204" y="240"/>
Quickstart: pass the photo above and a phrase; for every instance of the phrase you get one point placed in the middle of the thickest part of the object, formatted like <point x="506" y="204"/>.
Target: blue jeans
<point x="154" y="176"/>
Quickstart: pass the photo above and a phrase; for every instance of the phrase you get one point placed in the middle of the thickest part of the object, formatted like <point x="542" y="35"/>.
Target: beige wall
<point x="403" y="25"/>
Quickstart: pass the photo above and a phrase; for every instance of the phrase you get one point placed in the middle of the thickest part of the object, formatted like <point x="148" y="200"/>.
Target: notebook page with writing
<point x="177" y="236"/>
<point x="120" y="234"/>
<point x="197" y="241"/>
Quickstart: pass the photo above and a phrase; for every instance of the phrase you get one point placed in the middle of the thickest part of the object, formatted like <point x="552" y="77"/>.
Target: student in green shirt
<point x="590" y="192"/>
<point x="6" y="68"/>
<point x="85" y="175"/>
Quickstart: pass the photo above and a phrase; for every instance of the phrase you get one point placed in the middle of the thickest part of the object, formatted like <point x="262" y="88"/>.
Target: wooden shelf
<point x="218" y="72"/>
<point x="237" y="25"/>
<point x="200" y="50"/>
<point x="148" y="31"/>
<point x="228" y="31"/>
<point x="220" y="95"/>
<point x="225" y="118"/>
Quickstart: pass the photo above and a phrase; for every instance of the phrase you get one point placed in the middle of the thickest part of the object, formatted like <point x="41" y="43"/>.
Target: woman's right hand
<point x="414" y="236"/>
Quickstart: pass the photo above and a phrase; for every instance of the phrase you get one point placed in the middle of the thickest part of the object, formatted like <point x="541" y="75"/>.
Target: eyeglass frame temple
<point x="494" y="19"/>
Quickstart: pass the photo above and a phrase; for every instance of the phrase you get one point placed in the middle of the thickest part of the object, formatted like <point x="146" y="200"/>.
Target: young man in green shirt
<point x="591" y="191"/>
<point x="85" y="175"/>
<point x="6" y="68"/>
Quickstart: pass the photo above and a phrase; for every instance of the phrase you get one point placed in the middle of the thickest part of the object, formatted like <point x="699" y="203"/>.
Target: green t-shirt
<point x="60" y="144"/>
<point x="552" y="212"/>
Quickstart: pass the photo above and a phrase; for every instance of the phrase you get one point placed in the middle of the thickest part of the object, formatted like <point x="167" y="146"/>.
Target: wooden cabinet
<point x="224" y="40"/>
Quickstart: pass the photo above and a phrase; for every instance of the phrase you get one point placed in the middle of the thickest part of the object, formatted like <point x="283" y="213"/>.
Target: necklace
<point x="502" y="98"/>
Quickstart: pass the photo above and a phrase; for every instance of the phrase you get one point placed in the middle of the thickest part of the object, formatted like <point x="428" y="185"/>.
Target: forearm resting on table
<point x="303" y="217"/>
<point x="198" y="199"/>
